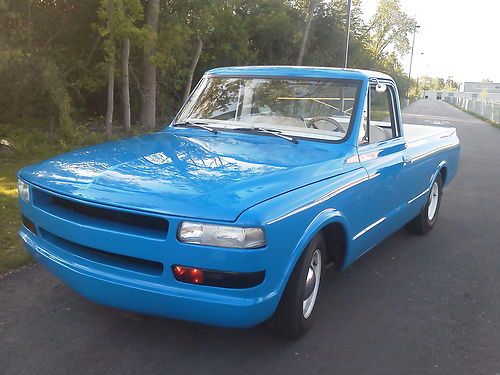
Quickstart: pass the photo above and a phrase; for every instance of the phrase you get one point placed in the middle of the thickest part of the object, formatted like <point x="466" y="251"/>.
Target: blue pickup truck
<point x="231" y="214"/>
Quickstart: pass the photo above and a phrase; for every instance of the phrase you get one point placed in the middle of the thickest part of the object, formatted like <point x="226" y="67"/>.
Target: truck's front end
<point x="171" y="223"/>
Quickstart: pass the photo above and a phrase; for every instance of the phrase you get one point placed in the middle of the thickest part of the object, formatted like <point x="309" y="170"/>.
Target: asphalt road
<point x="414" y="305"/>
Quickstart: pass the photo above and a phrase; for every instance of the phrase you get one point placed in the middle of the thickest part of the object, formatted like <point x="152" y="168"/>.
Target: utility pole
<point x="347" y="26"/>
<point x="411" y="58"/>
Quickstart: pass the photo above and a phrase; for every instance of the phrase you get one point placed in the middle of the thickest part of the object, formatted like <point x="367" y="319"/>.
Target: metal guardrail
<point x="487" y="109"/>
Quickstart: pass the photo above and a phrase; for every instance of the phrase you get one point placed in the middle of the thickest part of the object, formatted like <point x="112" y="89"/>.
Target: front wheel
<point x="295" y="311"/>
<point x="427" y="218"/>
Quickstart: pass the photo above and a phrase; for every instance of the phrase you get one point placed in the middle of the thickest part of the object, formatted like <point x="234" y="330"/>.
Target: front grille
<point x="122" y="217"/>
<point x="104" y="257"/>
<point x="105" y="218"/>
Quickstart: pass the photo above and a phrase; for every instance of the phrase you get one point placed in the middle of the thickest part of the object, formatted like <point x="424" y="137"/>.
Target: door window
<point x="379" y="120"/>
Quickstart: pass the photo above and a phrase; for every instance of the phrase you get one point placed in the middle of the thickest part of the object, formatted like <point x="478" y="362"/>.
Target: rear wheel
<point x="425" y="221"/>
<point x="295" y="312"/>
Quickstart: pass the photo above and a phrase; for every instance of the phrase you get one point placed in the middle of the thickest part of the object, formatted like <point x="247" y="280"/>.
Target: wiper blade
<point x="301" y="118"/>
<point x="276" y="133"/>
<point x="197" y="124"/>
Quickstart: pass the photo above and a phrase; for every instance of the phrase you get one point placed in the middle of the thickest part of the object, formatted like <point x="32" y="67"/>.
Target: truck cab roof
<point x="298" y="72"/>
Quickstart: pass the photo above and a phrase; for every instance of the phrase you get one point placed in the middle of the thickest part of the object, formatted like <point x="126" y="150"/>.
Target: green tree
<point x="270" y="29"/>
<point x="120" y="19"/>
<point x="451" y="85"/>
<point x="148" y="107"/>
<point x="60" y="60"/>
<point x="389" y="29"/>
<point x="437" y="84"/>
<point x="43" y="49"/>
<point x="310" y="6"/>
<point x="198" y="16"/>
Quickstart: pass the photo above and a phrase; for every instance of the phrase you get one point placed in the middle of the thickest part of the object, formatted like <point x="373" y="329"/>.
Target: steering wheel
<point x="329" y="120"/>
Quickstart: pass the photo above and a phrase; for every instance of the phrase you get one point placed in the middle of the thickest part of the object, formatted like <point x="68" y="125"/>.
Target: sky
<point x="458" y="38"/>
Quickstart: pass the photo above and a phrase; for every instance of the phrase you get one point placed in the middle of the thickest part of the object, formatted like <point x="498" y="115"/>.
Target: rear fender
<point x="436" y="173"/>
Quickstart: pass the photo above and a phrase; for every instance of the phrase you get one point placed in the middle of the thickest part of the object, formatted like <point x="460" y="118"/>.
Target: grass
<point x="495" y="124"/>
<point x="11" y="253"/>
<point x="30" y="145"/>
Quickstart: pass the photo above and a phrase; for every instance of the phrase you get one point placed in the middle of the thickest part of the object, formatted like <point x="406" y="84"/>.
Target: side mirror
<point x="381" y="87"/>
<point x="265" y="110"/>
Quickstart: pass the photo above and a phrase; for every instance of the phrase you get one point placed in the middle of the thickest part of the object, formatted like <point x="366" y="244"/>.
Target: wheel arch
<point x="330" y="223"/>
<point x="442" y="169"/>
<point x="335" y="235"/>
<point x="444" y="173"/>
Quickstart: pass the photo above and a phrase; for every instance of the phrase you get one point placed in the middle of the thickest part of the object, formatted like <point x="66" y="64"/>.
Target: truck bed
<point x="414" y="133"/>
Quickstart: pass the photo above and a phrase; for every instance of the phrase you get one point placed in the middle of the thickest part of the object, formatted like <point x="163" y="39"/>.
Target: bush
<point x="33" y="89"/>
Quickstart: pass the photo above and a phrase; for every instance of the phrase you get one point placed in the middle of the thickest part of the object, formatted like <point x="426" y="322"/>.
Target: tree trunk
<point x="148" y="105"/>
<point x="30" y="26"/>
<point x="199" y="48"/>
<point x="92" y="51"/>
<point x="111" y="87"/>
<point x="310" y="13"/>
<point x="126" y="85"/>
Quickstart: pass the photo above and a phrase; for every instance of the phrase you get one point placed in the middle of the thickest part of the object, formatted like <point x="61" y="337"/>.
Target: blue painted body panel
<point x="290" y="190"/>
<point x="298" y="72"/>
<point x="190" y="173"/>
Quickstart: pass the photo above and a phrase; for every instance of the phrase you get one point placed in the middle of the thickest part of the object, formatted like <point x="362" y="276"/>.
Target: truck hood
<point x="189" y="173"/>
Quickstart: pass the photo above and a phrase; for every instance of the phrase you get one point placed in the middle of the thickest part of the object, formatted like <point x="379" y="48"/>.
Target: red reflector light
<point x="188" y="274"/>
<point x="221" y="279"/>
<point x="29" y="224"/>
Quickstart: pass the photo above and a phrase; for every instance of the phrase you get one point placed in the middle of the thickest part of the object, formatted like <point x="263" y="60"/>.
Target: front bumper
<point x="109" y="286"/>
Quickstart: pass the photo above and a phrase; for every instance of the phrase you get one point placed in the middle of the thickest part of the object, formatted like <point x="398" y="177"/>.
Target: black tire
<point x="422" y="224"/>
<point x="288" y="320"/>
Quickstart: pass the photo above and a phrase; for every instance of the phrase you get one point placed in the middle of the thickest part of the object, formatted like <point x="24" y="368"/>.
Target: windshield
<point x="298" y="107"/>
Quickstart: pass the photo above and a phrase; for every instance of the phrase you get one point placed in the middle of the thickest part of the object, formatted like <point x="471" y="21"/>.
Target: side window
<point x="381" y="114"/>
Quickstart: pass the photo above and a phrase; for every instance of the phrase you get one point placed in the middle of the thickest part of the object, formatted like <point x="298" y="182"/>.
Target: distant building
<point x="491" y="88"/>
<point x="431" y="94"/>
<point x="484" y="91"/>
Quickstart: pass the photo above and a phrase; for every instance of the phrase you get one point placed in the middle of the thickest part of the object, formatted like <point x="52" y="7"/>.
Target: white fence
<point x="489" y="110"/>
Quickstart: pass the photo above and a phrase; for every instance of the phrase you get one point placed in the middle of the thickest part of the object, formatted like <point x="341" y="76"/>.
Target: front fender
<point x="291" y="220"/>
<point x="321" y="220"/>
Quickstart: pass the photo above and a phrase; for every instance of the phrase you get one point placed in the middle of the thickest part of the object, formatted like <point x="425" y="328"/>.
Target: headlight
<point x="23" y="190"/>
<point x="221" y="235"/>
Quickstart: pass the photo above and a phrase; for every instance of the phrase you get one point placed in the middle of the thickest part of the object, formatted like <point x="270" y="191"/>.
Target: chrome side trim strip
<point x="369" y="227"/>
<point x="352" y="159"/>
<point x="418" y="196"/>
<point x="322" y="199"/>
<point x="428" y="153"/>
<point x="369" y="156"/>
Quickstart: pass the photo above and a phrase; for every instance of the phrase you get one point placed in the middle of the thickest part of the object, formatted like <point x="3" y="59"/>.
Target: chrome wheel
<point x="433" y="201"/>
<point x="312" y="284"/>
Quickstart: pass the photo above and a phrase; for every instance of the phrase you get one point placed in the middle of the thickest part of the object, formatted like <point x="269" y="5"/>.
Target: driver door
<point x="382" y="151"/>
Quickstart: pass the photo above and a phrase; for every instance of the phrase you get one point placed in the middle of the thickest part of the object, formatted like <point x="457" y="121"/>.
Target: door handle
<point x="407" y="159"/>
